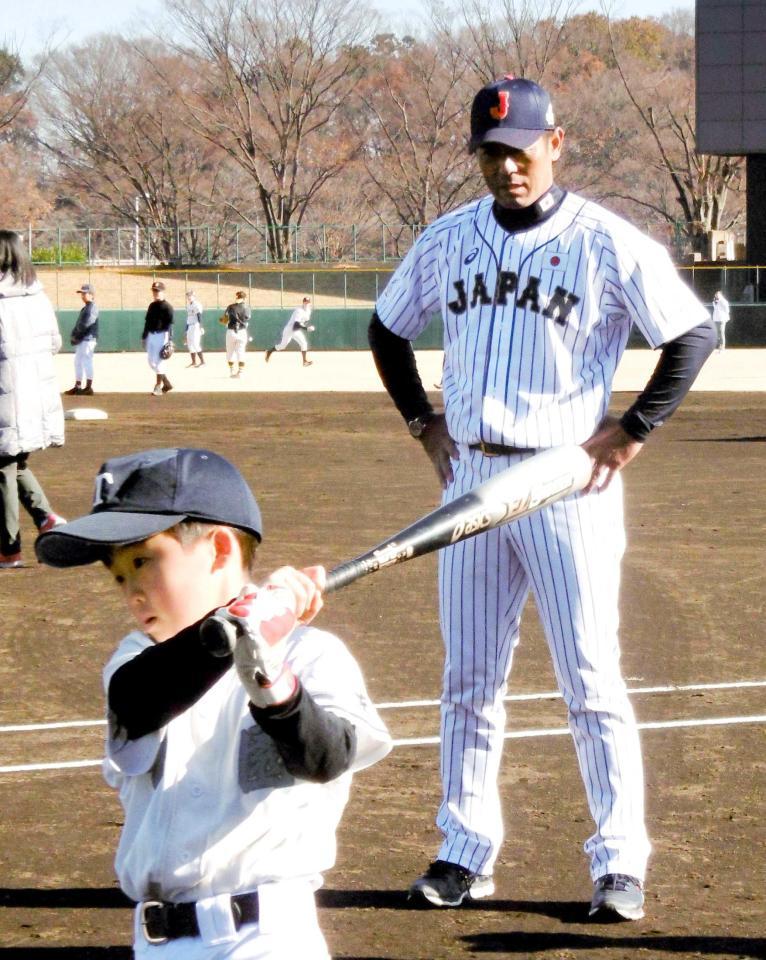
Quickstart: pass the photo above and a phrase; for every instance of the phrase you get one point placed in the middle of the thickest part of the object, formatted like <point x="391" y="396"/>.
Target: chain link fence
<point x="229" y="243"/>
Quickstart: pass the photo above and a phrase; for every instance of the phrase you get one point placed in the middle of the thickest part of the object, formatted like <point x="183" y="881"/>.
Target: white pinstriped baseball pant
<point x="569" y="555"/>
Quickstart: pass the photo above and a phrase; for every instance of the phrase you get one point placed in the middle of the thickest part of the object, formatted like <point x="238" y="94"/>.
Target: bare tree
<point x="22" y="196"/>
<point x="273" y="82"/>
<point x="520" y="36"/>
<point x="415" y="154"/>
<point x="698" y="185"/>
<point x="121" y="148"/>
<point x="16" y="85"/>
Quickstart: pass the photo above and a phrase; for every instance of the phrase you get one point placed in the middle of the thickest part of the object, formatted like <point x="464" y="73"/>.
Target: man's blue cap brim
<point x="516" y="138"/>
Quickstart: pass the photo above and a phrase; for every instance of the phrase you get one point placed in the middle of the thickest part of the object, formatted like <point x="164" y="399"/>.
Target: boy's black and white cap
<point x="145" y="493"/>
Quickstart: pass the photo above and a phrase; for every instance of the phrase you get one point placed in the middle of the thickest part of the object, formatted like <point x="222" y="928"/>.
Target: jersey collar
<point x="544" y="207"/>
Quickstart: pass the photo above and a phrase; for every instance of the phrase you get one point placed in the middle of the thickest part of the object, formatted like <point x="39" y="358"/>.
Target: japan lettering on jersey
<point x="535" y="321"/>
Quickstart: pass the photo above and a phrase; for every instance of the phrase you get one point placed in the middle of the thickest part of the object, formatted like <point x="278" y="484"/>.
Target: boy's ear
<point x="224" y="544"/>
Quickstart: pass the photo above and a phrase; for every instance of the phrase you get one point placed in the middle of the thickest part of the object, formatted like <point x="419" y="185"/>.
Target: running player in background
<point x="538" y="289"/>
<point x="296" y="329"/>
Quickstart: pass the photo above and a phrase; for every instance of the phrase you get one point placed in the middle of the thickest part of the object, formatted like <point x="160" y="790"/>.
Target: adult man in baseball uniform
<point x="296" y="329"/>
<point x="538" y="289"/>
<point x="83" y="338"/>
<point x="236" y="317"/>
<point x="720" y="318"/>
<point x="194" y="329"/>
<point x="158" y="329"/>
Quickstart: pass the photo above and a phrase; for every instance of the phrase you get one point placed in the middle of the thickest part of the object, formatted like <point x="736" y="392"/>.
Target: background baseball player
<point x="233" y="770"/>
<point x="84" y="337"/>
<point x="237" y="319"/>
<point x="194" y="329"/>
<point x="538" y="290"/>
<point x="720" y="318"/>
<point x="158" y="329"/>
<point x="296" y="329"/>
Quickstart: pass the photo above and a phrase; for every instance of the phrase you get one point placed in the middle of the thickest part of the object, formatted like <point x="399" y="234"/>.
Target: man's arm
<point x="78" y="329"/>
<point x="617" y="442"/>
<point x="395" y="362"/>
<point x="147" y="320"/>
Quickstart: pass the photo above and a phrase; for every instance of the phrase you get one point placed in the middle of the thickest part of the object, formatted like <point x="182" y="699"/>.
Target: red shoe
<point x="51" y="521"/>
<point x="10" y="561"/>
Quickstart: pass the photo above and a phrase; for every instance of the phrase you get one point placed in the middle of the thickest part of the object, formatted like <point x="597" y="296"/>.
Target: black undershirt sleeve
<point x="314" y="743"/>
<point x="395" y="360"/>
<point x="680" y="362"/>
<point x="167" y="678"/>
<point x="162" y="681"/>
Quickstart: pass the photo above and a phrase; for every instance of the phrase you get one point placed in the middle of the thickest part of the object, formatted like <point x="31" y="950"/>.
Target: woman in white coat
<point x="31" y="415"/>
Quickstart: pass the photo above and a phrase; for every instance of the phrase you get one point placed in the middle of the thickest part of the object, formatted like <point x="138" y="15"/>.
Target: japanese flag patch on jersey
<point x="555" y="261"/>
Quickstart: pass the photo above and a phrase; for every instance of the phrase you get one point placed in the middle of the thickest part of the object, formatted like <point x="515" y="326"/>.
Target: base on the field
<point x="85" y="413"/>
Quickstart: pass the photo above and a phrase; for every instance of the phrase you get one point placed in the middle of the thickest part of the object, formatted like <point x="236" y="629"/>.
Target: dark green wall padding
<point x="336" y="329"/>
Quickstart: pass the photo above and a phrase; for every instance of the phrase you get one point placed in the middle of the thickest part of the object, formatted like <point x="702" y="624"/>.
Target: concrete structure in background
<point x="731" y="98"/>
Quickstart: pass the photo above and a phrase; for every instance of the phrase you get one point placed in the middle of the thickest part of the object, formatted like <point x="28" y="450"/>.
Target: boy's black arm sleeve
<point x="314" y="743"/>
<point x="395" y="360"/>
<point x="163" y="681"/>
<point x="680" y="362"/>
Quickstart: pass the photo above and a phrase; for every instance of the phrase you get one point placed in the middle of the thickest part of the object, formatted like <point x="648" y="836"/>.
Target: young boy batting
<point x="233" y="768"/>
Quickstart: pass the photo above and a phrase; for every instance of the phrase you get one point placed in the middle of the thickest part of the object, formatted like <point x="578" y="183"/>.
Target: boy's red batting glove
<point x="265" y="617"/>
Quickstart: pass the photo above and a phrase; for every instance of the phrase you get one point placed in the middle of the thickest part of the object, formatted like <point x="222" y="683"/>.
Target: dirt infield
<point x="334" y="474"/>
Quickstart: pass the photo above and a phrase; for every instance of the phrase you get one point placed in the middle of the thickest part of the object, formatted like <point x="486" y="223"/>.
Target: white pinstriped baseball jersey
<point x="536" y="320"/>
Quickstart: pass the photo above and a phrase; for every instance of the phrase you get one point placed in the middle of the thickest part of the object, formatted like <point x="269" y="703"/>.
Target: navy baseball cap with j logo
<point x="511" y="111"/>
<point x="145" y="493"/>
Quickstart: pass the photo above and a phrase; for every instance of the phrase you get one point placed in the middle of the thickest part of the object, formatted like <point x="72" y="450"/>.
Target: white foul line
<point x="428" y="741"/>
<point x="409" y="704"/>
<point x="61" y="765"/>
<point x="563" y="731"/>
<point x="555" y="695"/>
<point x="57" y="725"/>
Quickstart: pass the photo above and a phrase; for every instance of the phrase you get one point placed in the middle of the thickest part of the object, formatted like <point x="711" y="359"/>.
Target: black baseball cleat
<point x="447" y="884"/>
<point x="617" y="897"/>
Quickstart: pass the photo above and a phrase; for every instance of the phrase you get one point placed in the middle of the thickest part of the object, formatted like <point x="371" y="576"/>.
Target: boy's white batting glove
<point x="264" y="618"/>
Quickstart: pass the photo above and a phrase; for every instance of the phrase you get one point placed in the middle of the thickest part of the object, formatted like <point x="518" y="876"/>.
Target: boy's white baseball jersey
<point x="211" y="810"/>
<point x="535" y="323"/>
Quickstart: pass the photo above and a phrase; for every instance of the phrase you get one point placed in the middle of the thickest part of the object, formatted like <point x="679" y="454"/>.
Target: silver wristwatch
<point x="418" y="425"/>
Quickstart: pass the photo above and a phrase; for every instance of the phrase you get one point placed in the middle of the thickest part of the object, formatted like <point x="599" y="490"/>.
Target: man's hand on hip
<point x="611" y="449"/>
<point x="440" y="447"/>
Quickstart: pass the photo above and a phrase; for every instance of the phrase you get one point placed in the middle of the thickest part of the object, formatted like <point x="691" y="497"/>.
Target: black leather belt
<point x="161" y="921"/>
<point x="498" y="449"/>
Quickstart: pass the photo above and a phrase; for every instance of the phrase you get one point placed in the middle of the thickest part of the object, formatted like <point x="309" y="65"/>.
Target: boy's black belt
<point x="498" y="449"/>
<point x="161" y="921"/>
